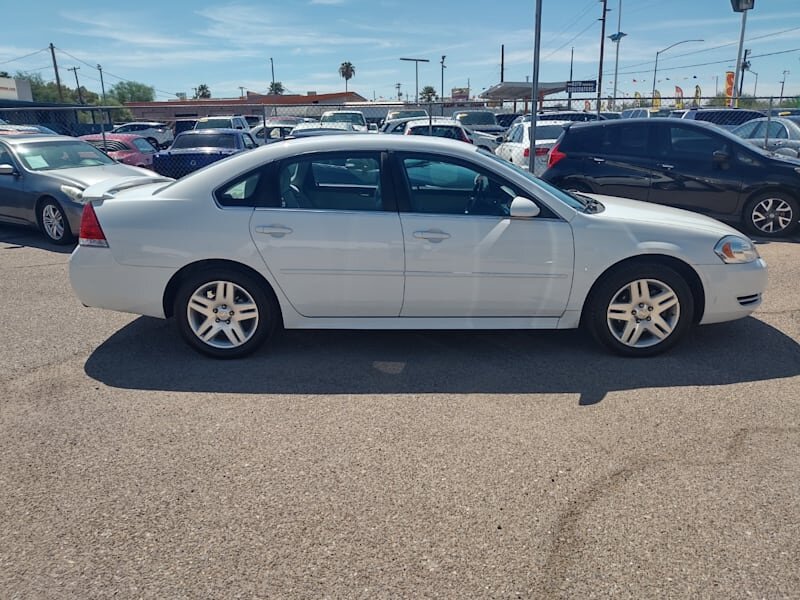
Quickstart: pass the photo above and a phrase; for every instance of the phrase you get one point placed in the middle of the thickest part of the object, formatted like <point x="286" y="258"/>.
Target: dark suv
<point x="687" y="164"/>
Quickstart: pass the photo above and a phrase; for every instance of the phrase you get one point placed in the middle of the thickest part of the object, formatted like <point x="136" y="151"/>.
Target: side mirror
<point x="524" y="208"/>
<point x="500" y="139"/>
<point x="8" y="170"/>
<point x="720" y="156"/>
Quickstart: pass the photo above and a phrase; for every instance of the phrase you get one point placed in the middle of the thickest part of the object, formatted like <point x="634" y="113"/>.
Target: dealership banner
<point x="656" y="99"/>
<point x="697" y="95"/>
<point x="729" y="75"/>
<point x="678" y="97"/>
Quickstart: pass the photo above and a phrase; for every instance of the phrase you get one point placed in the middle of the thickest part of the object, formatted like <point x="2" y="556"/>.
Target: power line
<point x="568" y="42"/>
<point x="21" y="57"/>
<point x="574" y="21"/>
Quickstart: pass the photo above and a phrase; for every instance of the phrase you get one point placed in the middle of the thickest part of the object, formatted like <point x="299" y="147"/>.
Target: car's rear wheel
<point x="224" y="313"/>
<point x="772" y="214"/>
<point x="640" y="310"/>
<point x="53" y="222"/>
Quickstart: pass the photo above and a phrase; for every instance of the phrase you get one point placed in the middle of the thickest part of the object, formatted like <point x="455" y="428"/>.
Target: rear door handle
<point x="274" y="230"/>
<point x="432" y="235"/>
<point x="667" y="167"/>
<point x="598" y="160"/>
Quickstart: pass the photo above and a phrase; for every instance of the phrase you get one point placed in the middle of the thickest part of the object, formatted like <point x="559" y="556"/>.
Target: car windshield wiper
<point x="591" y="205"/>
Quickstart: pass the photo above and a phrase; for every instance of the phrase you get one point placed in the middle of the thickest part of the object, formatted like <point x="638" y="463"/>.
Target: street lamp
<point x="441" y="91"/>
<point x="741" y="6"/>
<point x="416" y="62"/>
<point x="755" y="85"/>
<point x="655" y="69"/>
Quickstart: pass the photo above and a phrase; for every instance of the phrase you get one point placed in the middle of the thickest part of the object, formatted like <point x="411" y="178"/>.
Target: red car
<point x="125" y="148"/>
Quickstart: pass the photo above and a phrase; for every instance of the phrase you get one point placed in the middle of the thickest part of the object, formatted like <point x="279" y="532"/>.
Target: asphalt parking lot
<point x="387" y="465"/>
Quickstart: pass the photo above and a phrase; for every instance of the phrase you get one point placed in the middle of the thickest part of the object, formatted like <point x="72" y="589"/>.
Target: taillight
<point x="526" y="153"/>
<point x="91" y="233"/>
<point x="542" y="151"/>
<point x="554" y="156"/>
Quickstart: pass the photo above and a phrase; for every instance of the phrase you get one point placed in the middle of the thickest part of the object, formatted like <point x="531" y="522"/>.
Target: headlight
<point x="73" y="193"/>
<point x="735" y="250"/>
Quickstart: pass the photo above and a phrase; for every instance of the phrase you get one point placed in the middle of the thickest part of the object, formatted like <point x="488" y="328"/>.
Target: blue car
<point x="193" y="150"/>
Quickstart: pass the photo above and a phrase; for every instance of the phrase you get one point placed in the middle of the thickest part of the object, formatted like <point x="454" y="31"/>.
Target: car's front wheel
<point x="224" y="313"/>
<point x="772" y="214"/>
<point x="640" y="310"/>
<point x="53" y="222"/>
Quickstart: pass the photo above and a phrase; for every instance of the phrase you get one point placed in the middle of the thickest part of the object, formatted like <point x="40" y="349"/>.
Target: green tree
<point x="131" y="91"/>
<point x="427" y="94"/>
<point x="347" y="71"/>
<point x="745" y="101"/>
<point x="276" y="87"/>
<point x="202" y="91"/>
<point x="4" y="74"/>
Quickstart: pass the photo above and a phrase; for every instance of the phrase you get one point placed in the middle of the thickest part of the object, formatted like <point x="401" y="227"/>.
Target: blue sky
<point x="175" y="45"/>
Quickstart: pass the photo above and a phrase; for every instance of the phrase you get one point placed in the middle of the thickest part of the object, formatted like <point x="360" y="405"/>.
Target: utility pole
<point x="103" y="91"/>
<point x="55" y="68"/>
<point x="241" y="91"/>
<point x="783" y="83"/>
<point x="77" y="85"/>
<point x="745" y="67"/>
<point x="399" y="93"/>
<point x="537" y="29"/>
<point x="272" y="68"/>
<point x="602" y="49"/>
<point x="502" y="62"/>
<point x="571" y="61"/>
<point x="735" y="97"/>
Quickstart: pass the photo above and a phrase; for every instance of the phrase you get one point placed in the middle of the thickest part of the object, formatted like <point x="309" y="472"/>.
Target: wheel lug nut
<point x="648" y="318"/>
<point x="216" y="320"/>
<point x="228" y="321"/>
<point x="215" y="311"/>
<point x="638" y="321"/>
<point x="650" y="308"/>
<point x="641" y="306"/>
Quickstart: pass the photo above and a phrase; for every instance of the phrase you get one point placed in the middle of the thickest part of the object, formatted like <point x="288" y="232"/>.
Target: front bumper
<point x="732" y="291"/>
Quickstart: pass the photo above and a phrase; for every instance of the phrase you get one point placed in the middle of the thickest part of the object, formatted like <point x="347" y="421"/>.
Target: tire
<point x="236" y="324"/>
<point x="53" y="223"/>
<point x="772" y="214"/>
<point x="638" y="329"/>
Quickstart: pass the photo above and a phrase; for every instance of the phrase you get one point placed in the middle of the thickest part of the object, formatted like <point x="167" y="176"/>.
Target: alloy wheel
<point x="643" y="313"/>
<point x="222" y="314"/>
<point x="53" y="222"/>
<point x="771" y="215"/>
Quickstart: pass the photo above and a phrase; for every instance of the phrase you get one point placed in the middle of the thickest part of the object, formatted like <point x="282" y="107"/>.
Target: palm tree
<point x="427" y="94"/>
<point x="347" y="71"/>
<point x="202" y="91"/>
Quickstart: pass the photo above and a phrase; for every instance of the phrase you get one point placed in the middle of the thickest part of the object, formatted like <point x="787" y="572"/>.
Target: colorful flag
<point x="657" y="99"/>
<point x="697" y="95"/>
<point x="729" y="75"/>
<point x="637" y="99"/>
<point x="678" y="97"/>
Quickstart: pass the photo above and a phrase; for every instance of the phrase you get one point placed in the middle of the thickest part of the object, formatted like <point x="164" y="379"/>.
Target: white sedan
<point x="402" y="232"/>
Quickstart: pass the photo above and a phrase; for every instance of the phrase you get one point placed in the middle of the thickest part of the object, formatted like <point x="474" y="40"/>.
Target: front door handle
<point x="432" y="235"/>
<point x="274" y="230"/>
<point x="598" y="160"/>
<point x="667" y="167"/>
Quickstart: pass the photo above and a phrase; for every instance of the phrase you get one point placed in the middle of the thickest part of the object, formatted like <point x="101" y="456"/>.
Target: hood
<point x="83" y="177"/>
<point x="624" y="209"/>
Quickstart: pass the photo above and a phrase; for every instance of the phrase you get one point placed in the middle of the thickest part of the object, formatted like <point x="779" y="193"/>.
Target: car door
<point x="465" y="257"/>
<point x="15" y="203"/>
<point x="687" y="173"/>
<point x="617" y="158"/>
<point x="504" y="150"/>
<point x="331" y="237"/>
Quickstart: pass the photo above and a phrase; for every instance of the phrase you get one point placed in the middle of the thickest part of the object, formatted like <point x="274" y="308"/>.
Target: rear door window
<point x="691" y="143"/>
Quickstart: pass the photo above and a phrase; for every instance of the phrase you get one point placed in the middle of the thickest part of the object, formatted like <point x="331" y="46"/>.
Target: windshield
<point x="405" y="114"/>
<point x="476" y="118"/>
<point x="342" y="117"/>
<point x="49" y="156"/>
<point x="205" y="140"/>
<point x="571" y="200"/>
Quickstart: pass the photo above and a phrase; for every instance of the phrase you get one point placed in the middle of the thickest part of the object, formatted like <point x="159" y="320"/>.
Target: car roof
<point x="122" y="137"/>
<point x="435" y="120"/>
<point x="141" y="123"/>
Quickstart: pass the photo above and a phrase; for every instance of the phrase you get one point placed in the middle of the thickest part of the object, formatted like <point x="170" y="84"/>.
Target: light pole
<point x="537" y="28"/>
<point x="272" y="68"/>
<point x="617" y="38"/>
<point x="416" y="62"/>
<point x="655" y="69"/>
<point x="441" y="91"/>
<point x="741" y="6"/>
<point x="755" y="85"/>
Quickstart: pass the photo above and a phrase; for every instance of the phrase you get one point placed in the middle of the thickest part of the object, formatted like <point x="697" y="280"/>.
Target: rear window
<point x="205" y="140"/>
<point x="727" y="117"/>
<point x="476" y="118"/>
<point x="213" y="124"/>
<point x="443" y="131"/>
<point x="582" y="139"/>
<point x="548" y="132"/>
